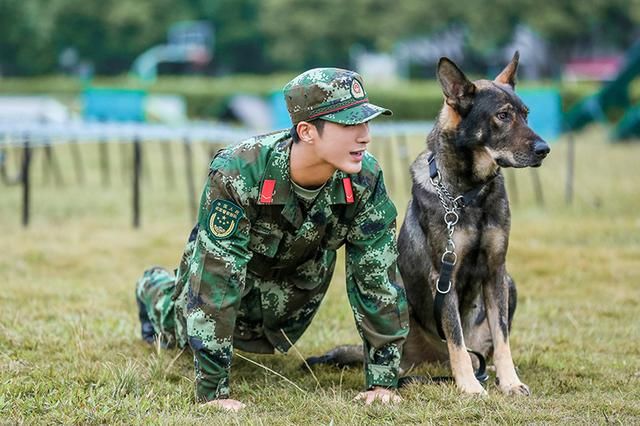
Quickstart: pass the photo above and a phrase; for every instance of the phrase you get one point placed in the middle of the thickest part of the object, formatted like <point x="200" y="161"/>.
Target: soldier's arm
<point x="216" y="279"/>
<point x="378" y="301"/>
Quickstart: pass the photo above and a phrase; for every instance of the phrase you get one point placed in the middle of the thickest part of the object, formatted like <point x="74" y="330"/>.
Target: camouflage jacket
<point x="263" y="246"/>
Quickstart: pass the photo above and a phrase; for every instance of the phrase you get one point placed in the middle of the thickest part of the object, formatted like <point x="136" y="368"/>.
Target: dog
<point x="481" y="128"/>
<point x="453" y="241"/>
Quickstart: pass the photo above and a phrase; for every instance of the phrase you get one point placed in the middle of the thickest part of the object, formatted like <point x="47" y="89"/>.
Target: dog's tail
<point x="340" y="356"/>
<point x="353" y="355"/>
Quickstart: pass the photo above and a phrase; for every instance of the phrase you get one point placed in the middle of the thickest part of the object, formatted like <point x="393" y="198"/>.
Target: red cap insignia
<point x="356" y="89"/>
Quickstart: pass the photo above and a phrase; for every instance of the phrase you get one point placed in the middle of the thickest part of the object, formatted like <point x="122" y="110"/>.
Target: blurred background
<point x="206" y="52"/>
<point x="260" y="37"/>
<point x="180" y="79"/>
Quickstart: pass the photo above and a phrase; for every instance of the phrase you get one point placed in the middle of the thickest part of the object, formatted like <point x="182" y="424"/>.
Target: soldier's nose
<point x="365" y="136"/>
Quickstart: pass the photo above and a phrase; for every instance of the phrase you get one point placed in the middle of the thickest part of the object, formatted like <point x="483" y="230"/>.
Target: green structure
<point x="614" y="95"/>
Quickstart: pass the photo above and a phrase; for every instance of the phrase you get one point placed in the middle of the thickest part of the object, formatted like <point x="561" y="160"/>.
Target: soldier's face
<point x="343" y="146"/>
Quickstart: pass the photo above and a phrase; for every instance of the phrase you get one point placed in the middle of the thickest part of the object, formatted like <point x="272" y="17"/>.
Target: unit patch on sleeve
<point x="224" y="218"/>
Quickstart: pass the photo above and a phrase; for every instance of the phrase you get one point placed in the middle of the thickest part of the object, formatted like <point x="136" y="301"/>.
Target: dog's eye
<point x="503" y="116"/>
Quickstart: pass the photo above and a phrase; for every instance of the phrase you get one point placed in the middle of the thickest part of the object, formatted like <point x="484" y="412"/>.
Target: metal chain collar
<point x="451" y="207"/>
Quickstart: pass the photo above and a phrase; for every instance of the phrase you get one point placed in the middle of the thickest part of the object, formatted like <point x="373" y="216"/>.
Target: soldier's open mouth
<point x="357" y="154"/>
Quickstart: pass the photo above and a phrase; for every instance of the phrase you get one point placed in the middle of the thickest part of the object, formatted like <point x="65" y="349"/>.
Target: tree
<point x="239" y="40"/>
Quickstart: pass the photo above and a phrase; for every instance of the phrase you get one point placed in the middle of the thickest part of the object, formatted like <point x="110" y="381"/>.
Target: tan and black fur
<point x="481" y="128"/>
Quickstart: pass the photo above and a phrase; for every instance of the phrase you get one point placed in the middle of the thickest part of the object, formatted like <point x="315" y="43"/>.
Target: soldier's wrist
<point x="206" y="391"/>
<point x="382" y="376"/>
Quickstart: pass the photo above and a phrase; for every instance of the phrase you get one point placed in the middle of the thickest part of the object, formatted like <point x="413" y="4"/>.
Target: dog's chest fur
<point x="480" y="236"/>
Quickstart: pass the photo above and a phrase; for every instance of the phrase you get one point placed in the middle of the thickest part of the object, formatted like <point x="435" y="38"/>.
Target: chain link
<point x="451" y="208"/>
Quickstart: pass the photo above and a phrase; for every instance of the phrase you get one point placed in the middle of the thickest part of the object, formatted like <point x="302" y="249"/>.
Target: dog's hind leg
<point x="421" y="346"/>
<point x="496" y="296"/>
<point x="478" y="332"/>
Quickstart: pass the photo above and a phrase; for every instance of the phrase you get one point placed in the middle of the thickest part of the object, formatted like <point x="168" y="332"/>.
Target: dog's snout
<point x="541" y="148"/>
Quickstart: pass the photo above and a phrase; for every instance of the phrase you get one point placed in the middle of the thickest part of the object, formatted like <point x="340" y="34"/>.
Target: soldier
<point x="273" y="212"/>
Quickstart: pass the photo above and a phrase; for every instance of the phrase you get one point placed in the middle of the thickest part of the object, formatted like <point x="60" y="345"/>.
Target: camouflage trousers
<point x="271" y="312"/>
<point x="155" y="289"/>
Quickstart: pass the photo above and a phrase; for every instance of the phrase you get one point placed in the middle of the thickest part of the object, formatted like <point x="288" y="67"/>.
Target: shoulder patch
<point x="224" y="218"/>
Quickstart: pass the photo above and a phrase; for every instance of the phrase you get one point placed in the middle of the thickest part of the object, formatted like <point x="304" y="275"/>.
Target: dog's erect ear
<point x="457" y="89"/>
<point x="508" y="74"/>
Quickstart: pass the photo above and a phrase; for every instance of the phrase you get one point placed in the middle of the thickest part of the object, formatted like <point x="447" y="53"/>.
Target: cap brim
<point x="357" y="114"/>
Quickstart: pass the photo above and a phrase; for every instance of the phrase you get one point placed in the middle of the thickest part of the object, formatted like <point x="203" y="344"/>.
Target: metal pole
<point x="26" y="181"/>
<point x="137" y="154"/>
<point x="52" y="166"/>
<point x="168" y="166"/>
<point x="389" y="166"/>
<point x="191" y="191"/>
<point x="104" y="162"/>
<point x="571" y="153"/>
<point x="403" y="151"/>
<point x="124" y="156"/>
<point x="537" y="187"/>
<point x="77" y="161"/>
<point x="144" y="167"/>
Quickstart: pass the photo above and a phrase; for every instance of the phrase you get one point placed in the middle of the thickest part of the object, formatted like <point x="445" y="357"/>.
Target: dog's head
<point x="489" y="115"/>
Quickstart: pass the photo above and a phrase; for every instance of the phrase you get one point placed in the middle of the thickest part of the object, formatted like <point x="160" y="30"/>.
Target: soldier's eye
<point x="503" y="116"/>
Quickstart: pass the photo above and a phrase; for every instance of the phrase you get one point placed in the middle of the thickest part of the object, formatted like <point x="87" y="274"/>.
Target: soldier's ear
<point x="456" y="87"/>
<point x="508" y="74"/>
<point x="305" y="132"/>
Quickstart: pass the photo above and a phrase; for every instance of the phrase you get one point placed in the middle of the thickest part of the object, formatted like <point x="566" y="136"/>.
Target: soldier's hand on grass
<point x="386" y="396"/>
<point x="226" y="404"/>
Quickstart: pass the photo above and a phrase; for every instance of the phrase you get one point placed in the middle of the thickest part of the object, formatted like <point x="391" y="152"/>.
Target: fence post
<point x="77" y="161"/>
<point x="568" y="197"/>
<point x="168" y="165"/>
<point x="104" y="161"/>
<point x="124" y="159"/>
<point x="390" y="168"/>
<point x="537" y="187"/>
<point x="50" y="166"/>
<point x="26" y="181"/>
<point x="137" y="154"/>
<point x="191" y="192"/>
<point x="403" y="151"/>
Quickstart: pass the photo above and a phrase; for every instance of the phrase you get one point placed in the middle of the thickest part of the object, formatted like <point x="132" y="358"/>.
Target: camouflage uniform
<point x="260" y="260"/>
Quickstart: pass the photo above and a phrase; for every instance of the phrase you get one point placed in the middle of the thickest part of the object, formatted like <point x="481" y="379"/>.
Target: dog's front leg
<point x="461" y="365"/>
<point x="496" y="297"/>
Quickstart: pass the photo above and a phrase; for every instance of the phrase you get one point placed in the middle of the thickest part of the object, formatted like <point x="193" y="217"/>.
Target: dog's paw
<point x="517" y="388"/>
<point x="471" y="387"/>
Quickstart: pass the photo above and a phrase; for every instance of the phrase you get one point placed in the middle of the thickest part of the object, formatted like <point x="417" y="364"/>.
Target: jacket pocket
<point x="264" y="241"/>
<point x="314" y="272"/>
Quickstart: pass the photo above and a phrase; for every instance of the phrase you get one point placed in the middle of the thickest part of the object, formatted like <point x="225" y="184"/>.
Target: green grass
<point x="70" y="351"/>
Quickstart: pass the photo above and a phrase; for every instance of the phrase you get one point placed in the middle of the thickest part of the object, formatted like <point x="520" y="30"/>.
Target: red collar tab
<point x="348" y="190"/>
<point x="266" y="195"/>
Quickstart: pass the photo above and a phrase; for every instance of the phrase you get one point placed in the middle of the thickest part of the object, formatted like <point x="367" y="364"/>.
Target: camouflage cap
<point x="332" y="94"/>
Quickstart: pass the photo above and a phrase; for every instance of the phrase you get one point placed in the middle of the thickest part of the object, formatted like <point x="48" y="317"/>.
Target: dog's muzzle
<point x="541" y="149"/>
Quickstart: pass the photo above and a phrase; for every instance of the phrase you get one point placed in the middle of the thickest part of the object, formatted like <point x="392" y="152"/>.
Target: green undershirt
<point x="304" y="193"/>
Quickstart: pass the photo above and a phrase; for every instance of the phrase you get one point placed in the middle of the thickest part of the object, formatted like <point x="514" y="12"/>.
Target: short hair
<point x="318" y="123"/>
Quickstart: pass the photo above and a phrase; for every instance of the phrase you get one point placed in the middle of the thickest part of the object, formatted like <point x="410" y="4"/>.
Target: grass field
<point x="70" y="350"/>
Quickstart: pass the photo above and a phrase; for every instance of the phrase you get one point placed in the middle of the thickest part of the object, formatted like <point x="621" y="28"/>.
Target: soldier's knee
<point x="151" y="279"/>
